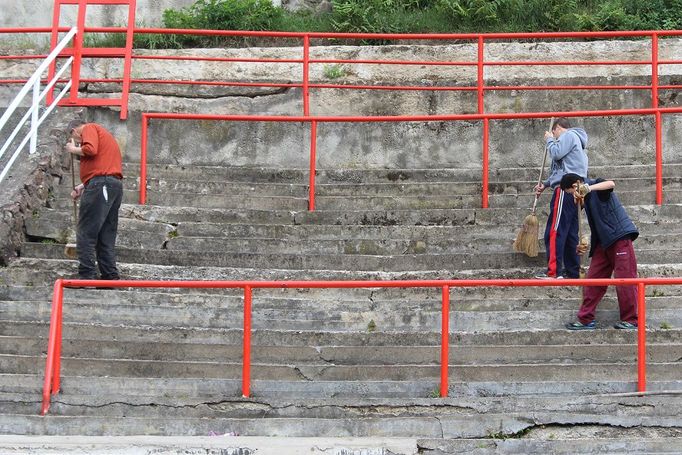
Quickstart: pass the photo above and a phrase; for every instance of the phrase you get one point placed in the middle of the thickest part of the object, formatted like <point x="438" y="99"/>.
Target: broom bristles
<point x="527" y="238"/>
<point x="70" y="251"/>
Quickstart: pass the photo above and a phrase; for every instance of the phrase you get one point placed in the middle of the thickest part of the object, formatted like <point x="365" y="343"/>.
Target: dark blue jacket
<point x="609" y="222"/>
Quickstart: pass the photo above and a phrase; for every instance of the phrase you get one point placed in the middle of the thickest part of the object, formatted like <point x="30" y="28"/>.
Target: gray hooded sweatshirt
<point x="568" y="156"/>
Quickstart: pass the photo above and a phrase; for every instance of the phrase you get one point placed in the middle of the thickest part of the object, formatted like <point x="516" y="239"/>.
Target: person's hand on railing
<point x="77" y="191"/>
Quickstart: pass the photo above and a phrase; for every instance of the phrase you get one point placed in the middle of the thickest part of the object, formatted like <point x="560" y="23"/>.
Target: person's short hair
<point x="73" y="124"/>
<point x="562" y="122"/>
<point x="568" y="180"/>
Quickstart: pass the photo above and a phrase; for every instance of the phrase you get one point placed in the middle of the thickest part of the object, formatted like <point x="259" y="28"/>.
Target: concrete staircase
<point x="359" y="367"/>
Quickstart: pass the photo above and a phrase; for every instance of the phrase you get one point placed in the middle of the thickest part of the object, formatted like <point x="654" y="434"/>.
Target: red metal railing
<point x="480" y="63"/>
<point x="51" y="383"/>
<point x="313" y="120"/>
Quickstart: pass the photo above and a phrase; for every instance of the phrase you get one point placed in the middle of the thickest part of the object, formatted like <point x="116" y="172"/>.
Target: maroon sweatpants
<point x="619" y="260"/>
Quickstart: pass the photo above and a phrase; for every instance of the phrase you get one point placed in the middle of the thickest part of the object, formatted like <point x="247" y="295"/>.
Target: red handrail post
<point x="246" y="360"/>
<point x="128" y="58"/>
<point x="480" y="88"/>
<point x="444" y="341"/>
<point x="659" y="159"/>
<point x="486" y="164"/>
<point x="77" y="52"/>
<point x="54" y="39"/>
<point x="306" y="75"/>
<point x="641" y="339"/>
<point x="313" y="165"/>
<point x="56" y="376"/>
<point x="55" y="320"/>
<point x="143" y="160"/>
<point x="654" y="104"/>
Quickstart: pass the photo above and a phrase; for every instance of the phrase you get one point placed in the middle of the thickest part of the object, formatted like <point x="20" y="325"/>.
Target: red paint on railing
<point x="486" y="163"/>
<point x="50" y="386"/>
<point x="444" y="340"/>
<point x="51" y="383"/>
<point x="313" y="166"/>
<point x="306" y="75"/>
<point x="404" y="118"/>
<point x="641" y="338"/>
<point x="246" y="344"/>
<point x="143" y="159"/>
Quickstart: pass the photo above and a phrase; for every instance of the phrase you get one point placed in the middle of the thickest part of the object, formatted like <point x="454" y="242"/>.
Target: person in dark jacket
<point x="611" y="249"/>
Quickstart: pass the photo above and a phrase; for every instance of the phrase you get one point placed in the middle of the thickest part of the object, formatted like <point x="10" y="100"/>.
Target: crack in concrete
<point x="440" y="425"/>
<point x="210" y="404"/>
<point x="302" y="375"/>
<point x="372" y="303"/>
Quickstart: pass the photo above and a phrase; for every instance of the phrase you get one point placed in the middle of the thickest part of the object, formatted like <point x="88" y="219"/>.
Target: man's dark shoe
<point x="624" y="325"/>
<point x="580" y="326"/>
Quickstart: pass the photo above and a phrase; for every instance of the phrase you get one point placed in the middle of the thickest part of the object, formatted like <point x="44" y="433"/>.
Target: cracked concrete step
<point x="59" y="226"/>
<point x="626" y="441"/>
<point x="138" y="445"/>
<point x="181" y="350"/>
<point x="433" y="187"/>
<point x="215" y="444"/>
<point x="408" y="319"/>
<point x="42" y="272"/>
<point x="263" y="174"/>
<point x="361" y="202"/>
<point x="462" y="425"/>
<point x="36" y="272"/>
<point x="467" y="299"/>
<point x="217" y="406"/>
<point x="358" y="262"/>
<point x="306" y="339"/>
<point x="439" y="217"/>
<point x="556" y="372"/>
<point x="339" y="239"/>
<point x="398" y="232"/>
<point x="454" y="244"/>
<point x="331" y="301"/>
<point x="221" y="389"/>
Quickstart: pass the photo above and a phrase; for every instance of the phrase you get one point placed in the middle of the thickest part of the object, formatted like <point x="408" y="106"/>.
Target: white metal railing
<point x="33" y="84"/>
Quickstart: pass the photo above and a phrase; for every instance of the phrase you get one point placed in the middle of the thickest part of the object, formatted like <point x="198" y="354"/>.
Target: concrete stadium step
<point x="28" y="271"/>
<point x="460" y="341"/>
<point x="324" y="176"/>
<point x="326" y="300"/>
<point x="217" y="390"/>
<point x="131" y="445"/>
<point x="56" y="225"/>
<point x="296" y="261"/>
<point x="361" y="262"/>
<point x="181" y="350"/>
<point x="362" y="202"/>
<point x="413" y="316"/>
<point x="559" y="443"/>
<point x="448" y="419"/>
<point x="214" y="443"/>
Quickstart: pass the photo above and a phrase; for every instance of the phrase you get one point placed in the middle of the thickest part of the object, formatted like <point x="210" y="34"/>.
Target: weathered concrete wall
<point x="28" y="185"/>
<point x="388" y="145"/>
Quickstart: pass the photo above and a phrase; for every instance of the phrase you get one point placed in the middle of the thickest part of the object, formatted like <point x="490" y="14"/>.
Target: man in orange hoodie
<point x="100" y="193"/>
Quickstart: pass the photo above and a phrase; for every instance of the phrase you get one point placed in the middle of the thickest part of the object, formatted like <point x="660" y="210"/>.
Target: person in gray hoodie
<point x="566" y="149"/>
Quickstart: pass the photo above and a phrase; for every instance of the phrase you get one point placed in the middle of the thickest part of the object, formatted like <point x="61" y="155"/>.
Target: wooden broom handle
<point x="73" y="185"/>
<point x="542" y="169"/>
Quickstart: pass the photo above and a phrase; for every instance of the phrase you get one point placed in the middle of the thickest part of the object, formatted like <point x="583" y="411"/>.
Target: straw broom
<point x="70" y="250"/>
<point x="527" y="237"/>
<point x="583" y="242"/>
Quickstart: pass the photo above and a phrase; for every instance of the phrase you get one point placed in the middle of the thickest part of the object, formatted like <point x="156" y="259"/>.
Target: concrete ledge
<point x="208" y="445"/>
